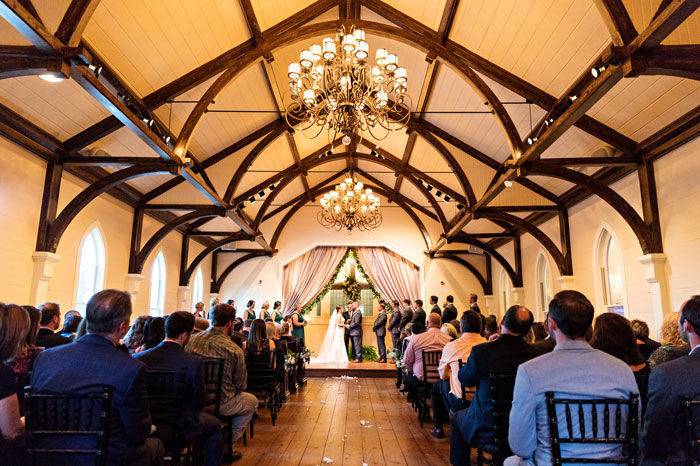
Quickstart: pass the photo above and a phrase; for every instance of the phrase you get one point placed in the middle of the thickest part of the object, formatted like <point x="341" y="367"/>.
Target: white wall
<point x="21" y="185"/>
<point x="678" y="192"/>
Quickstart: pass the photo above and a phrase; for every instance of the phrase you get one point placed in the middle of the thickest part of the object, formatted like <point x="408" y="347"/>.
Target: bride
<point x="333" y="348"/>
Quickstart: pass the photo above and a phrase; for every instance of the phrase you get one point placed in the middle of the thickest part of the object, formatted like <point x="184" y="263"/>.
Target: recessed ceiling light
<point x="51" y="78"/>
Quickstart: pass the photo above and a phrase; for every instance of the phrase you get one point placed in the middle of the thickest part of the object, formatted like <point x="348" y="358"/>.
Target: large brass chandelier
<point x="350" y="206"/>
<point x="334" y="88"/>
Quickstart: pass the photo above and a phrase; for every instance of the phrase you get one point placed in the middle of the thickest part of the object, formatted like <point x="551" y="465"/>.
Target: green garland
<point x="350" y="252"/>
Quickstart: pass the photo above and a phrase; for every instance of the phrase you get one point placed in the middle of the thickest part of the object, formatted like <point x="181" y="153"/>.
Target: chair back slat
<point x="213" y="371"/>
<point x="166" y="395"/>
<point x="431" y="361"/>
<point x="55" y="420"/>
<point x="501" y="385"/>
<point x="586" y="410"/>
<point x="692" y="408"/>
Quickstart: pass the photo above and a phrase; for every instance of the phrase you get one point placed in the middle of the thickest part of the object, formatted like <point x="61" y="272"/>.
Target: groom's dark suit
<point x="356" y="332"/>
<point x="346" y="337"/>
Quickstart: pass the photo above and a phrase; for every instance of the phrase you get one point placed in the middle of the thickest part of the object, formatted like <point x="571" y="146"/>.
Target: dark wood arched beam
<point x="58" y="226"/>
<point x="648" y="242"/>
<point x="75" y="20"/>
<point x="136" y="265"/>
<point x="486" y="285"/>
<point x="249" y="159"/>
<point x="303" y="201"/>
<point x="516" y="278"/>
<point x="238" y="236"/>
<point x="617" y="20"/>
<point x="216" y="286"/>
<point x="563" y="262"/>
<point x="18" y="61"/>
<point x="269" y="43"/>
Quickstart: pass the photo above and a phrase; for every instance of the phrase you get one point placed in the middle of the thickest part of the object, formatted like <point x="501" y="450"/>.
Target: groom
<point x="355" y="327"/>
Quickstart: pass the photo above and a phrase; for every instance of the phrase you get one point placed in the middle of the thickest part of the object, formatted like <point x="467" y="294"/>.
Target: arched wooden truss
<point x="632" y="53"/>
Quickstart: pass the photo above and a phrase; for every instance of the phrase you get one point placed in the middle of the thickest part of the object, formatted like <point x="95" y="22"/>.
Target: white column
<point x="490" y="301"/>
<point x="183" y="298"/>
<point x="517" y="295"/>
<point x="656" y="272"/>
<point x="567" y="282"/>
<point x="42" y="273"/>
<point x="132" y="285"/>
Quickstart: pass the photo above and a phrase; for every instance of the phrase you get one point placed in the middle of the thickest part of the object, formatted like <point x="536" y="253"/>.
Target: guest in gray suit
<point x="663" y="439"/>
<point x="355" y="327"/>
<point x="572" y="370"/>
<point x="379" y="328"/>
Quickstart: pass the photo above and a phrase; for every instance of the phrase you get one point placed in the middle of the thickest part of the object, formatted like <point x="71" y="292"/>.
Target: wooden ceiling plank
<point x="15" y="13"/>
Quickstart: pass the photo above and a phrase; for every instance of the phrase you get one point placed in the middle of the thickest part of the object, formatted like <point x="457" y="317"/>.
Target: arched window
<point x="544" y="287"/>
<point x="157" y="286"/>
<point x="91" y="268"/>
<point x="197" y="288"/>
<point x="505" y="291"/>
<point x="612" y="274"/>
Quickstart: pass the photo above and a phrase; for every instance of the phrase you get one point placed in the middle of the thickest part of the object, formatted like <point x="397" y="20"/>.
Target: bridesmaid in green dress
<point x="298" y="324"/>
<point x="249" y="313"/>
<point x="277" y="312"/>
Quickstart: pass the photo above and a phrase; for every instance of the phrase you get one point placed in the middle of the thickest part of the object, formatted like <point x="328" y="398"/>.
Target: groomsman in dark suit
<point x="406" y="315"/>
<point x="379" y="328"/>
<point x="449" y="313"/>
<point x="435" y="309"/>
<point x="355" y="327"/>
<point x="395" y="325"/>
<point x="419" y="317"/>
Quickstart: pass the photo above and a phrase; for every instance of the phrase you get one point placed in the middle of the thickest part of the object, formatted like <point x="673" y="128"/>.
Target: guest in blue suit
<point x="170" y="355"/>
<point x="92" y="362"/>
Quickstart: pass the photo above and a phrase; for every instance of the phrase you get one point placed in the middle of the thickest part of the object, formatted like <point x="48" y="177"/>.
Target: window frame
<point x="159" y="309"/>
<point x="604" y="238"/>
<point x="506" y="288"/>
<point x="197" y="281"/>
<point x="92" y="231"/>
<point x="543" y="283"/>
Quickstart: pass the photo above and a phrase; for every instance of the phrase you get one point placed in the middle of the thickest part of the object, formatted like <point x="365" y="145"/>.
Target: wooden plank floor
<point x="324" y="419"/>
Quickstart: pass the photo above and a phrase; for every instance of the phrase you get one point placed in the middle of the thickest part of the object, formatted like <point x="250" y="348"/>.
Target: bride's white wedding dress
<point x="333" y="347"/>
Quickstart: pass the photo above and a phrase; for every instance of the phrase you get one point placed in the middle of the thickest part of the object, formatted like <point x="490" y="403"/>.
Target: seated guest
<point x="430" y="340"/>
<point x="490" y="326"/>
<point x="572" y="370"/>
<point x="170" y="355"/>
<point x="50" y="321"/>
<point x="215" y="342"/>
<point x="447" y="394"/>
<point x="539" y="331"/>
<point x="236" y="333"/>
<point x="92" y="361"/>
<point x="672" y="344"/>
<point x="246" y="327"/>
<point x="473" y="426"/>
<point x="286" y="332"/>
<point x="22" y="364"/>
<point x="134" y="337"/>
<point x="200" y="324"/>
<point x="613" y="334"/>
<point x="153" y="333"/>
<point x="641" y="332"/>
<point x="449" y="330"/>
<point x="14" y="325"/>
<point x="449" y="312"/>
<point x="258" y="339"/>
<point x="546" y="345"/>
<point x="71" y="321"/>
<point x="271" y="330"/>
<point x="664" y="434"/>
<point x="419" y="317"/>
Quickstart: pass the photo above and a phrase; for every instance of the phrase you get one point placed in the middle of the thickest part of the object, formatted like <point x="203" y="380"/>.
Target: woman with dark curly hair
<point x="613" y="334"/>
<point x="134" y="338"/>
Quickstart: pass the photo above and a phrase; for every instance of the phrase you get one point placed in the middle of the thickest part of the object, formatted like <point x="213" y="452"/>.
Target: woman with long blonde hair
<point x="672" y="344"/>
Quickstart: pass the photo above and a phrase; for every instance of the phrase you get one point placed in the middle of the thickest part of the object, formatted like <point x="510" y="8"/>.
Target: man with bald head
<point x="430" y="340"/>
<point x="473" y="426"/>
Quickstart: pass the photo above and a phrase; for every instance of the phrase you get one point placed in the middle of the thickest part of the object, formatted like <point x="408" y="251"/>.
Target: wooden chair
<point x="297" y="347"/>
<point x="166" y="396"/>
<point x="54" y="421"/>
<point x="500" y="385"/>
<point x="431" y="360"/>
<point x="643" y="385"/>
<point x="578" y="416"/>
<point x="213" y="370"/>
<point x="691" y="408"/>
<point x="263" y="381"/>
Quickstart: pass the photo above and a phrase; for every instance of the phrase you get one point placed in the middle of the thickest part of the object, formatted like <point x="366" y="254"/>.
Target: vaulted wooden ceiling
<point x="485" y="77"/>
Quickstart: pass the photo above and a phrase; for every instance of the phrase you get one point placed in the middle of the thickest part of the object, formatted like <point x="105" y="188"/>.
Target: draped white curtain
<point x="305" y="276"/>
<point x="394" y="277"/>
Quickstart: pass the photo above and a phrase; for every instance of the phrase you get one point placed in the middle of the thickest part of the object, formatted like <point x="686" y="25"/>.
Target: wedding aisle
<point x="325" y="419"/>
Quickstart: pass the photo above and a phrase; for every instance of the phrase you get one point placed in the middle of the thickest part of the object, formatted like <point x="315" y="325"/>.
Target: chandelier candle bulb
<point x="294" y="71"/>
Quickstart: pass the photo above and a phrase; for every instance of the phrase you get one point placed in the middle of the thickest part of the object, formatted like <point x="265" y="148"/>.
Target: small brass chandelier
<point x="350" y="206"/>
<point x="334" y="88"/>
